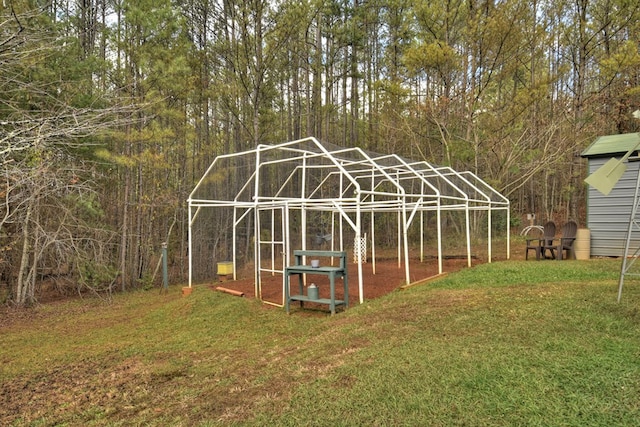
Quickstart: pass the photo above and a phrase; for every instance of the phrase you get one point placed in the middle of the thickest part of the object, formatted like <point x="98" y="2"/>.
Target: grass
<point x="501" y="344"/>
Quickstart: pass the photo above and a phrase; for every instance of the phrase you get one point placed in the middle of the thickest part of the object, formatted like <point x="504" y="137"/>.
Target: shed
<point x="608" y="216"/>
<point x="285" y="196"/>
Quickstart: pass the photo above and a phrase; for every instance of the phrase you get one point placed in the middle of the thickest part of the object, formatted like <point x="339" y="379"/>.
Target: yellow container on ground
<point x="583" y="244"/>
<point x="225" y="268"/>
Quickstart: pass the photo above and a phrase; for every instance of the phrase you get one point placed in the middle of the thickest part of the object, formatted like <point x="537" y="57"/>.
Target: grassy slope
<point x="510" y="343"/>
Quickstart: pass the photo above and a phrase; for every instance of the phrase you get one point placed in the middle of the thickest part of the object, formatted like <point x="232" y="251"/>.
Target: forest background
<point x="111" y="110"/>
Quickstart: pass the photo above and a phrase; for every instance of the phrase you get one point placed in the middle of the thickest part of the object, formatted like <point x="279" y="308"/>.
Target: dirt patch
<point x="389" y="275"/>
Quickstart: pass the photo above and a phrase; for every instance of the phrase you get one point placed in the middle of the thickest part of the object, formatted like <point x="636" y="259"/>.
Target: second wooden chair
<point x="539" y="244"/>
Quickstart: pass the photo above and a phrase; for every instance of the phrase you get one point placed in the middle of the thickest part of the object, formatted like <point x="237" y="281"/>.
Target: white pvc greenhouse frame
<point x="362" y="183"/>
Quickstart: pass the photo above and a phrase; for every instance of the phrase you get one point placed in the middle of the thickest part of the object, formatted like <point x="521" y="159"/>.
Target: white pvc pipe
<point x="489" y="225"/>
<point x="360" y="275"/>
<point x="285" y="247"/>
<point x="303" y="212"/>
<point x="468" y="229"/>
<point x="373" y="243"/>
<point x="421" y="236"/>
<point x="508" y="233"/>
<point x="233" y="243"/>
<point x="256" y="229"/>
<point x="399" y="239"/>
<point x="273" y="240"/>
<point x="405" y="227"/>
<point x="256" y="252"/>
<point x="190" y="248"/>
<point x="373" y="229"/>
<point x="439" y="230"/>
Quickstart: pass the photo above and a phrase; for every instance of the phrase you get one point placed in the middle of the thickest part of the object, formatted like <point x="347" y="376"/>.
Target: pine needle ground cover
<point x="501" y="344"/>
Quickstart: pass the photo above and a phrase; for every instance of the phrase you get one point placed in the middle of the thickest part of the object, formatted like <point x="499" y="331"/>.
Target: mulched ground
<point x="388" y="277"/>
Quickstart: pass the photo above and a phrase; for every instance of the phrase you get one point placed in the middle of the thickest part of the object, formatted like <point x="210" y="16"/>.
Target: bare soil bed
<point x="389" y="276"/>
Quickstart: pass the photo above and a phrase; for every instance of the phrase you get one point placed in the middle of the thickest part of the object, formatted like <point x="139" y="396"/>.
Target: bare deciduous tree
<point x="49" y="217"/>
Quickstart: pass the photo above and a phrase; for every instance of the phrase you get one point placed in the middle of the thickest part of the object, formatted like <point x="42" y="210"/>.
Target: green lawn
<point x="502" y="344"/>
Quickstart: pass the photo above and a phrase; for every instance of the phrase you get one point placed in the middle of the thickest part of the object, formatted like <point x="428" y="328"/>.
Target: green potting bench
<point x="334" y="272"/>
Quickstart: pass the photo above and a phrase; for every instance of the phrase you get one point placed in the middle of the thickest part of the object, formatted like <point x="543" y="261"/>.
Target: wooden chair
<point x="538" y="244"/>
<point x="565" y="243"/>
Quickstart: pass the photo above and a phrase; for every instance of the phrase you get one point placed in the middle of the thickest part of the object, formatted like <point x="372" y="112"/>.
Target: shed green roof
<point x="610" y="145"/>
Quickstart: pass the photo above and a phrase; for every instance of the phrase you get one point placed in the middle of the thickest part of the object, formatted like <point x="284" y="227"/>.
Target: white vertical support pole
<point x="373" y="242"/>
<point x="233" y="241"/>
<point x="256" y="228"/>
<point x="421" y="235"/>
<point x="303" y="212"/>
<point x="333" y="231"/>
<point x="405" y="227"/>
<point x="256" y="251"/>
<point x="359" y="229"/>
<point x="468" y="227"/>
<point x="333" y="218"/>
<point x="341" y="223"/>
<point x="489" y="224"/>
<point x="508" y="230"/>
<point x="439" y="230"/>
<point x="341" y="233"/>
<point x="421" y="225"/>
<point x="303" y="225"/>
<point x="285" y="246"/>
<point x="373" y="226"/>
<point x="332" y="236"/>
<point x="190" y="245"/>
<point x="273" y="241"/>
<point x="399" y="242"/>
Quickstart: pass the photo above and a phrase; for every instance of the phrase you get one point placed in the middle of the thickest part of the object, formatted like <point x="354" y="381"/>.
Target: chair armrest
<point x="567" y="240"/>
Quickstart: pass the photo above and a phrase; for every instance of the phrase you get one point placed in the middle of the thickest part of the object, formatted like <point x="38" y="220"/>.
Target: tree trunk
<point x="22" y="288"/>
